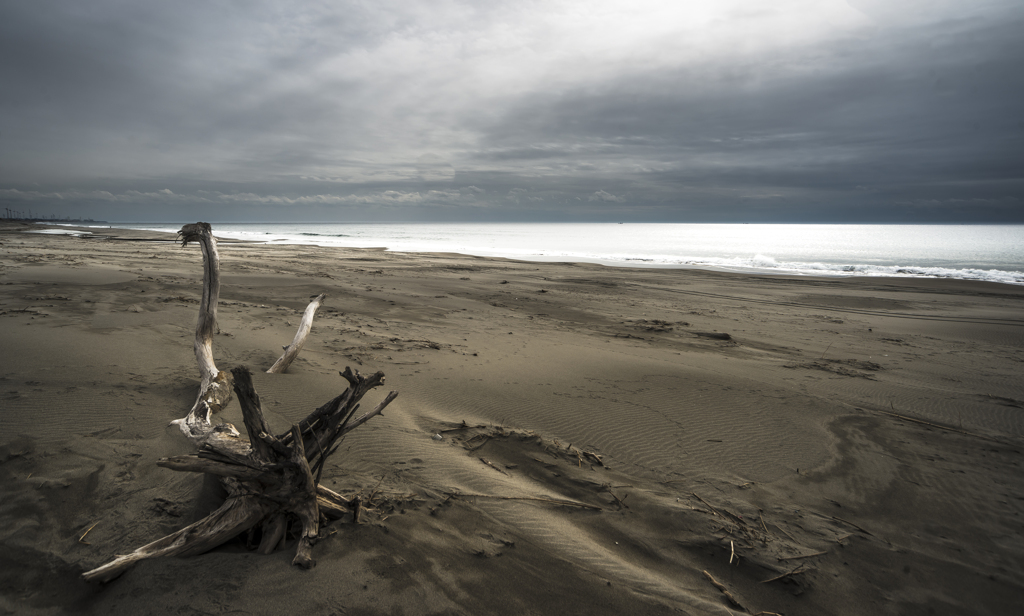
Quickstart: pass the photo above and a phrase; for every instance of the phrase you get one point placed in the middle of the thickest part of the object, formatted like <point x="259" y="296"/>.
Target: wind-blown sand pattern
<point x="859" y="440"/>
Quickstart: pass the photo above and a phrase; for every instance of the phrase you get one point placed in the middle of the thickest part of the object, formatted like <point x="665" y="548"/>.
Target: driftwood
<point x="214" y="385"/>
<point x="292" y="350"/>
<point x="270" y="480"/>
<point x="267" y="479"/>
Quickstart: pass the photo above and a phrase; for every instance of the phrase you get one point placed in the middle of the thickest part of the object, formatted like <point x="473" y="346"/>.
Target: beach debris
<point x="713" y="335"/>
<point x="822" y="553"/>
<point x="655" y="325"/>
<point x="215" y="385"/>
<point x="82" y="538"/>
<point x="305" y="325"/>
<point x="842" y="367"/>
<point x="736" y="603"/>
<point x="491" y="464"/>
<point x="271" y="480"/>
<point x="707" y="504"/>
<point x="553" y="501"/>
<point x="935" y="425"/>
<point x="826" y="349"/>
<point x="725" y="591"/>
<point x="799" y="569"/>
<point x="861" y="529"/>
<point x="783" y="530"/>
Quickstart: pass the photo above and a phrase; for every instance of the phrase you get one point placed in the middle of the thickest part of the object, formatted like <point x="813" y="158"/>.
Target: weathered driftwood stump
<point x="269" y="479"/>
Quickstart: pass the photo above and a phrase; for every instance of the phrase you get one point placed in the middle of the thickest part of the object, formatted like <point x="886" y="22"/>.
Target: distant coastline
<point x="55" y="221"/>
<point x="66" y="220"/>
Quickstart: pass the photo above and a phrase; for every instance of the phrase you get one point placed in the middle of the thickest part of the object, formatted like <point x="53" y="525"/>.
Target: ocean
<point x="993" y="253"/>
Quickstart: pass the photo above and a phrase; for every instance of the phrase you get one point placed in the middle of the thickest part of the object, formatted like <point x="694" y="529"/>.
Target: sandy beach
<point x="741" y="443"/>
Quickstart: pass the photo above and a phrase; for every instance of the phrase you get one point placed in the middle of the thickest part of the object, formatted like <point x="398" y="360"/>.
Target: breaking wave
<point x="991" y="253"/>
<point x="763" y="262"/>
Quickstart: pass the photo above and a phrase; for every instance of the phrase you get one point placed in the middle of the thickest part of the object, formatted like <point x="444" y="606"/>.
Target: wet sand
<point x="858" y="440"/>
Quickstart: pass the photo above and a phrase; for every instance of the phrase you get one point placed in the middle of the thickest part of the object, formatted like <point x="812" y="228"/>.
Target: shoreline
<point x="771" y="440"/>
<point x="795" y="269"/>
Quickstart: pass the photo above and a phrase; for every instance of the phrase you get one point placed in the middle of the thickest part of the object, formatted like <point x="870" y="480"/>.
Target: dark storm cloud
<point x="557" y="110"/>
<point x="902" y="110"/>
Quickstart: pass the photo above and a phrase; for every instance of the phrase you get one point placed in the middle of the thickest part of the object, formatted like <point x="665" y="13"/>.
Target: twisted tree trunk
<point x="214" y="385"/>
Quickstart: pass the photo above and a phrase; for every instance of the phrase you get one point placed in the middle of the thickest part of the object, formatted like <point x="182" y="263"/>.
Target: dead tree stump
<point x="270" y="480"/>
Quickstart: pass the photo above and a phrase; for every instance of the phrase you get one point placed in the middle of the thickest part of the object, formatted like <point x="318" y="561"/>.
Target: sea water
<point x="992" y="253"/>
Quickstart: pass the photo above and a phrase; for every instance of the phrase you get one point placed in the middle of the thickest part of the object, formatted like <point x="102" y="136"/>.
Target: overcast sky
<point x="653" y="110"/>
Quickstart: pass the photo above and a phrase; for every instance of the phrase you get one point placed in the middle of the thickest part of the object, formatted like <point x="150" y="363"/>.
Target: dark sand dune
<point x="737" y="418"/>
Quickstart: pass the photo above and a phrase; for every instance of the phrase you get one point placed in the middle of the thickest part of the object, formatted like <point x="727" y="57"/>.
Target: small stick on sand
<point x="491" y="464"/>
<point x="738" y="518"/>
<point x="826" y="350"/>
<point x="713" y="510"/>
<point x="725" y="591"/>
<point x="82" y="538"/>
<point x="553" y="501"/>
<point x="621" y="502"/>
<point x="786" y="534"/>
<point x="482" y="443"/>
<point x="939" y="426"/>
<point x="464" y="426"/>
<point x="803" y="556"/>
<point x="732" y="551"/>
<point x="784" y="575"/>
<point x="373" y="493"/>
<point x="866" y="532"/>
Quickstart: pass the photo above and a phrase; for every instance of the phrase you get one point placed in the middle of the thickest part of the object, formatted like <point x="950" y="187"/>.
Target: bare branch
<point x="233" y="517"/>
<point x="252" y="414"/>
<point x="292" y="350"/>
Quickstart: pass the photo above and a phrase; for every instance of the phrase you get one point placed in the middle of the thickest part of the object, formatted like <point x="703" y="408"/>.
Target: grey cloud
<point x="605" y="196"/>
<point x="510" y="111"/>
<point x="430" y="166"/>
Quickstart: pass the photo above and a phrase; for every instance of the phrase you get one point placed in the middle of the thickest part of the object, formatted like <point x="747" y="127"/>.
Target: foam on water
<point x="993" y="253"/>
<point x="60" y="232"/>
<point x="761" y="262"/>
